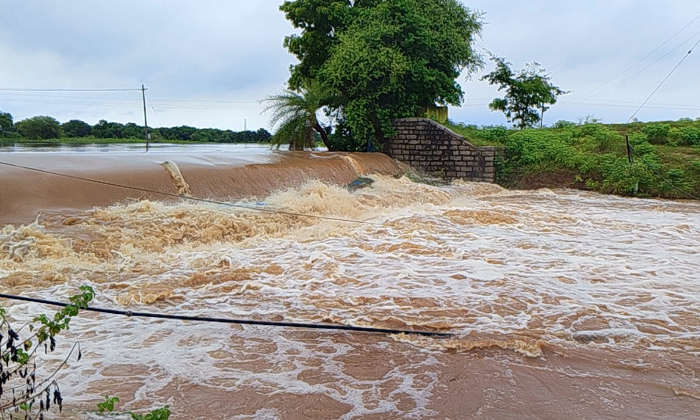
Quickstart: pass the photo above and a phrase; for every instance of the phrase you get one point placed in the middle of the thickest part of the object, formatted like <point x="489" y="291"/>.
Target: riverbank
<point x="64" y="141"/>
<point x="593" y="157"/>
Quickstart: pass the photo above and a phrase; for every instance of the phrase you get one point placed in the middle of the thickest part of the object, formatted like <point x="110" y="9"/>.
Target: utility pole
<point x="245" y="124"/>
<point x="145" y="118"/>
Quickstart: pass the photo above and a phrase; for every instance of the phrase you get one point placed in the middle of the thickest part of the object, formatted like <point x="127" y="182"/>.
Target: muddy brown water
<point x="563" y="304"/>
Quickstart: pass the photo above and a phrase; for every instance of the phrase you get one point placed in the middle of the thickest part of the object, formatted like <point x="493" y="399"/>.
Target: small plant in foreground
<point x="20" y="389"/>
<point x="158" y="414"/>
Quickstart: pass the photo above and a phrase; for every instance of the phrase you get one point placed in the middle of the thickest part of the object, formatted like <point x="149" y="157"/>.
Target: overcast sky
<point x="208" y="63"/>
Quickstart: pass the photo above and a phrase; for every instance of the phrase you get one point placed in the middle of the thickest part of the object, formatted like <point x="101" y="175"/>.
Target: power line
<point x="664" y="81"/>
<point x="67" y="90"/>
<point x="154" y="109"/>
<point x="132" y="102"/>
<point x="643" y="58"/>
<point x="638" y="72"/>
<point x="133" y="314"/>
<point x="173" y="195"/>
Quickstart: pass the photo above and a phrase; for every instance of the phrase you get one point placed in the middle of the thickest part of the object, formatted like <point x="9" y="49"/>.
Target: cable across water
<point x="133" y="314"/>
<point x="184" y="197"/>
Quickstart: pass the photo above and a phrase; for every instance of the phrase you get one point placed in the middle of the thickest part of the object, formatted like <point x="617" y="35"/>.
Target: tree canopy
<point x="6" y="122"/>
<point x="76" y="128"/>
<point x="41" y="127"/>
<point x="527" y="92"/>
<point x="382" y="59"/>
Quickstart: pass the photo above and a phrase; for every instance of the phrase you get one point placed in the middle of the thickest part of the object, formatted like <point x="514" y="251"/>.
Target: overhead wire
<point x="133" y="314"/>
<point x="184" y="197"/>
<point x="647" y="164"/>
<point x="153" y="108"/>
<point x="579" y="100"/>
<point x="665" y="79"/>
<point x="65" y="90"/>
<point x="640" y="60"/>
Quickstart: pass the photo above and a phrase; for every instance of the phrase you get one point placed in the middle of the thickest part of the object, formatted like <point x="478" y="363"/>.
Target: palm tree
<point x="294" y="114"/>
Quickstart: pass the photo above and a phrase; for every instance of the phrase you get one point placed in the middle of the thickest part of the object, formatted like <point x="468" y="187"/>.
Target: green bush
<point x="695" y="165"/>
<point x="601" y="137"/>
<point x="657" y="133"/>
<point x="685" y="136"/>
<point x="563" y="124"/>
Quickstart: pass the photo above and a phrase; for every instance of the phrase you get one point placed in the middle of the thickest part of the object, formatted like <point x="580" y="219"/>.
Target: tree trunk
<point x="324" y="136"/>
<point x="378" y="134"/>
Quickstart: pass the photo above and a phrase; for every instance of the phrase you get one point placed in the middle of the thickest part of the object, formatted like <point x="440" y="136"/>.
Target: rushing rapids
<point x="563" y="304"/>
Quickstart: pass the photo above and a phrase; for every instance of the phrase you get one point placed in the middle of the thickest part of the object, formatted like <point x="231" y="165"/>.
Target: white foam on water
<point x="572" y="268"/>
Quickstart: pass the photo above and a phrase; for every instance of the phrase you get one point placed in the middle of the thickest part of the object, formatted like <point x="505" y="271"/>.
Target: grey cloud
<point x="231" y="51"/>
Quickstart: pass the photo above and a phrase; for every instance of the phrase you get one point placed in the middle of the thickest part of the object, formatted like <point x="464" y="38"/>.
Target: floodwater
<point x="562" y="304"/>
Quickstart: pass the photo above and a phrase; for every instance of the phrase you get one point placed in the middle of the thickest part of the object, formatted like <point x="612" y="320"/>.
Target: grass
<point x="594" y="157"/>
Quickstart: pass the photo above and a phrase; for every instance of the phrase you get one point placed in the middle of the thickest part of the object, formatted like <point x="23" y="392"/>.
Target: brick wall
<point x="435" y="149"/>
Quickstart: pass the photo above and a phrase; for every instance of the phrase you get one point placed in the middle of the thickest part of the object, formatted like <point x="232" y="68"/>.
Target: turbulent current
<point x="562" y="304"/>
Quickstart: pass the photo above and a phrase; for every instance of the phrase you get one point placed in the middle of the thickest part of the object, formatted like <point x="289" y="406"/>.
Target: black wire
<point x="201" y="200"/>
<point x="664" y="81"/>
<point x="575" y="101"/>
<point x="235" y="321"/>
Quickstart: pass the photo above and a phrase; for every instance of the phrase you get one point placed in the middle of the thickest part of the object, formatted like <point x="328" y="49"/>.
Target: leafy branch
<point x="158" y="414"/>
<point x="20" y="392"/>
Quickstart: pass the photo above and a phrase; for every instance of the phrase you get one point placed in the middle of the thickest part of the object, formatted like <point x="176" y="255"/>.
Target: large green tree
<point x="41" y="127"/>
<point x="294" y="113"/>
<point x="383" y="59"/>
<point x="527" y="93"/>
<point x="6" y="122"/>
<point x="76" y="128"/>
<point x="108" y="130"/>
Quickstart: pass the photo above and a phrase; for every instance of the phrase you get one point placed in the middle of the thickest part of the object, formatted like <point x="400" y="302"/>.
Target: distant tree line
<point x="46" y="128"/>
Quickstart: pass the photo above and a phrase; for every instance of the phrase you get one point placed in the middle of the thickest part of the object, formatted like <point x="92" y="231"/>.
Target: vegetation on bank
<point x="46" y="129"/>
<point x="593" y="156"/>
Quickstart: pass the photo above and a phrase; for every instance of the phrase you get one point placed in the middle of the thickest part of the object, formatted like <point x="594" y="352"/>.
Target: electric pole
<point x="145" y="118"/>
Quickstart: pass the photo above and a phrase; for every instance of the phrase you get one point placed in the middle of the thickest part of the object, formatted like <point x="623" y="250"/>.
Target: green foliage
<point x="563" y="124"/>
<point x="696" y="165"/>
<point x="320" y="23"/>
<point x="527" y="93"/>
<point x="112" y="132"/>
<point x="41" y="127"/>
<point x="158" y="414"/>
<point x="382" y="60"/>
<point x="6" y="123"/>
<point x="594" y="156"/>
<point x="18" y="361"/>
<point x="294" y="114"/>
<point x="622" y="178"/>
<point x="107" y="404"/>
<point x="61" y="320"/>
<point x="76" y="128"/>
<point x="657" y="133"/>
<point x="601" y="137"/>
<point x="107" y="130"/>
<point x="684" y="136"/>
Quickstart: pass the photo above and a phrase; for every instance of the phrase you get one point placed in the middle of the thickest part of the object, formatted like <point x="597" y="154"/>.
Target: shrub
<point x="41" y="127"/>
<point x="563" y="124"/>
<point x="696" y="165"/>
<point x="621" y="177"/>
<point x="689" y="136"/>
<point x="657" y="133"/>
